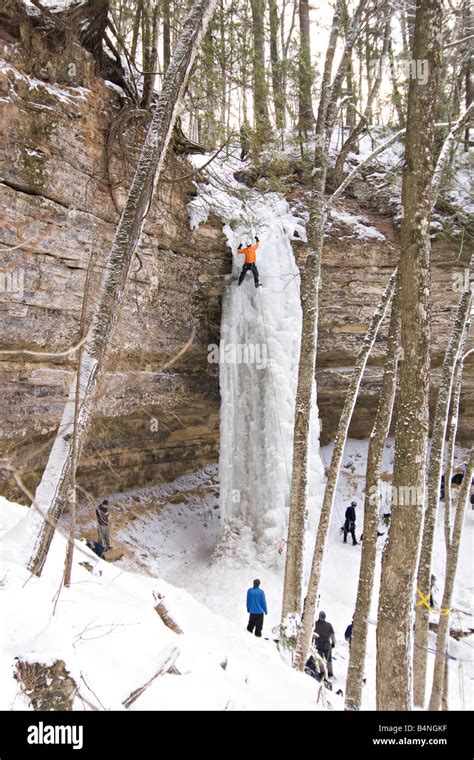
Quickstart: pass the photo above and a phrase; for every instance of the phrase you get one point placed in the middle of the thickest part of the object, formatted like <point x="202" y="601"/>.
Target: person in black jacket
<point x="350" y="523"/>
<point x="348" y="634"/>
<point x="325" y="641"/>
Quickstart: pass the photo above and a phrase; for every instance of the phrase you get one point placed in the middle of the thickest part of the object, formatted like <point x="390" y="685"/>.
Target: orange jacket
<point x="249" y="253"/>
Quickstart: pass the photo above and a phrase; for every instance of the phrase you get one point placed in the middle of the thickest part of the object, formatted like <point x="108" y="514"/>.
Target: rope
<point x="425" y="600"/>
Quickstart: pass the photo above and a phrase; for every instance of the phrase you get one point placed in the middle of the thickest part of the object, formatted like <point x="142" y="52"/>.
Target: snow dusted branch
<point x="446" y="150"/>
<point x="48" y="354"/>
<point x="167" y="663"/>
<point x="383" y="146"/>
<point x="387" y="143"/>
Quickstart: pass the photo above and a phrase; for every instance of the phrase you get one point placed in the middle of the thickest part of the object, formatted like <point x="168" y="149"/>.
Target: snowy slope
<point x="180" y="541"/>
<point x="106" y="630"/>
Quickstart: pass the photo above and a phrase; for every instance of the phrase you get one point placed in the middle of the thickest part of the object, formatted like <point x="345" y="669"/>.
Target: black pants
<point x="326" y="654"/>
<point x="246" y="268"/>
<point x="255" y="621"/>
<point x="349" y="527"/>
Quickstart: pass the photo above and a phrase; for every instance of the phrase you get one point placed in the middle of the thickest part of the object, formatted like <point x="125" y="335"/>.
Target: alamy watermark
<point x="462" y="282"/>
<point x="42" y="733"/>
<point x="13" y="282"/>
<point x="412" y="496"/>
<point x="403" y="68"/>
<point x="238" y="353"/>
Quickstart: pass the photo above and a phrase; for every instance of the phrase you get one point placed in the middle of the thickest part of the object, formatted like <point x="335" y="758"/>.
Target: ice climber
<point x="103" y="525"/>
<point x="256" y="607"/>
<point x="350" y="523"/>
<point x="325" y="640"/>
<point x="250" y="258"/>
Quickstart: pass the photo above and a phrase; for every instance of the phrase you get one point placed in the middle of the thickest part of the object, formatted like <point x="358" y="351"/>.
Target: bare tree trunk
<point x="404" y="29"/>
<point x="278" y="99"/>
<point x="222" y="62"/>
<point x="451" y="567"/>
<point x="72" y="493"/>
<point x="305" y="74"/>
<point x="444" y="700"/>
<point x="146" y="43"/>
<point x="285" y="46"/>
<point x="50" y="493"/>
<point x="260" y="88"/>
<point x="399" y="562"/>
<point x="467" y="67"/>
<point x="136" y="30"/>
<point x="380" y="431"/>
<point x="450" y="441"/>
<point x="166" y="35"/>
<point x="440" y="424"/>
<point x="396" y="96"/>
<point x="149" y="75"/>
<point x="310" y="281"/>
<point x="333" y="474"/>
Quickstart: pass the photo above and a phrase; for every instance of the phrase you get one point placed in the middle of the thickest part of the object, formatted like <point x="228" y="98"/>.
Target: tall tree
<point x="438" y="436"/>
<point x="149" y="74"/>
<point x="372" y="504"/>
<point x="442" y="649"/>
<point x="166" y="34"/>
<point x="467" y="68"/>
<point x="292" y="588"/>
<point x="278" y="97"/>
<point x="399" y="562"/>
<point x="310" y="601"/>
<point x="50" y="494"/>
<point x="305" y="72"/>
<point x="310" y="282"/>
<point x="260" y="87"/>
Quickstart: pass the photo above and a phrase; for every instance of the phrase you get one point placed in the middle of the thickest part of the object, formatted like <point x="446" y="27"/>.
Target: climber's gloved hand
<point x="256" y="238"/>
<point x="239" y="246"/>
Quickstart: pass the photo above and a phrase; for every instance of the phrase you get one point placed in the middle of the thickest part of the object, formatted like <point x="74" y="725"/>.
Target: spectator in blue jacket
<point x="256" y="607"/>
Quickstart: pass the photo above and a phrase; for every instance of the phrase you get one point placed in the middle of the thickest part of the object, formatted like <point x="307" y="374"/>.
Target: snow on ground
<point x="111" y="639"/>
<point x="106" y="629"/>
<point x="180" y="541"/>
<point x="358" y="226"/>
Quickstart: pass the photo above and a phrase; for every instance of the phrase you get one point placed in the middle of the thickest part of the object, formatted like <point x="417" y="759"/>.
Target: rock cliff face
<point x="67" y="156"/>
<point x="62" y="190"/>
<point x="355" y="270"/>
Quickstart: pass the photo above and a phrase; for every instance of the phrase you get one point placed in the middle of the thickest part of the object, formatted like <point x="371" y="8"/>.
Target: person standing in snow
<point x="256" y="607"/>
<point x="325" y="640"/>
<point x="244" y="141"/>
<point x="350" y="523"/>
<point x="250" y="258"/>
<point x="103" y="525"/>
